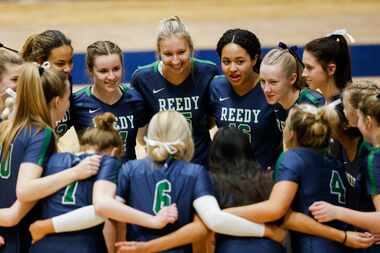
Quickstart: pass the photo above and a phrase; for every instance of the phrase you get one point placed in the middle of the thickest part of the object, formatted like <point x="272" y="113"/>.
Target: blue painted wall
<point x="365" y="61"/>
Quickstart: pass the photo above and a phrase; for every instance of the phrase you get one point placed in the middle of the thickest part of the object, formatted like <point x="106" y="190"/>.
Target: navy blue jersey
<point x="232" y="244"/>
<point x="148" y="186"/>
<point x="306" y="96"/>
<point x="64" y="124"/>
<point x="76" y="195"/>
<point x="129" y="111"/>
<point x="189" y="98"/>
<point x="29" y="146"/>
<point x="251" y="114"/>
<point x="373" y="173"/>
<point x="319" y="178"/>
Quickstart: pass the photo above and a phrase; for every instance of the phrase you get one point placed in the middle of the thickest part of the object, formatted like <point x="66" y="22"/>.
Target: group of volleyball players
<point x="293" y="167"/>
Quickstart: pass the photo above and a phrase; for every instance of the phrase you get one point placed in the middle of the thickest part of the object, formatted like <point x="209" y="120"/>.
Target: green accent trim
<point x="86" y="90"/>
<point x="203" y="61"/>
<point x="371" y="174"/>
<point x="124" y="87"/>
<point x="153" y="65"/>
<point x="48" y="134"/>
<point x="218" y="76"/>
<point x="306" y="93"/>
<point x="276" y="167"/>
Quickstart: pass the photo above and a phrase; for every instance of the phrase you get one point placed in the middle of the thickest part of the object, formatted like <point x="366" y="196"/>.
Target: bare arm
<point x="324" y="212"/>
<point x="11" y="216"/>
<point x="187" y="234"/>
<point x="304" y="224"/>
<point x="107" y="206"/>
<point x="32" y="187"/>
<point x="272" y="209"/>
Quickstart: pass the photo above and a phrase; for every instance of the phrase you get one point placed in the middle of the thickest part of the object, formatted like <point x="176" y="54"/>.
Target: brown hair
<point x="333" y="49"/>
<point x="103" y="135"/>
<point x="38" y="47"/>
<point x="99" y="48"/>
<point x="36" y="87"/>
<point x="311" y="126"/>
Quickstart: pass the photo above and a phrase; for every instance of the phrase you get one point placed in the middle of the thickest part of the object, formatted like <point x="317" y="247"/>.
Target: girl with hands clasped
<point x="368" y="119"/>
<point x="304" y="173"/>
<point x="27" y="141"/>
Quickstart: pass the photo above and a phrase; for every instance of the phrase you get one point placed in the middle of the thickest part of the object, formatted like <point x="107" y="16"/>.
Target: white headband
<point x="169" y="146"/>
<point x="343" y="32"/>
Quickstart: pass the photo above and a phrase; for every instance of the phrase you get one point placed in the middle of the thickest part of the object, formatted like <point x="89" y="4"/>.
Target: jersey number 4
<point x="337" y="187"/>
<point x="162" y="196"/>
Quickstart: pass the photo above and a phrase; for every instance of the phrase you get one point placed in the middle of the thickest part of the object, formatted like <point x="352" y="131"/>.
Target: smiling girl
<point x="178" y="81"/>
<point x="107" y="94"/>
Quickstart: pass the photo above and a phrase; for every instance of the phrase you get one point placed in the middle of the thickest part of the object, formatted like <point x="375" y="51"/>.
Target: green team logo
<point x="245" y="128"/>
<point x="162" y="196"/>
<point x="5" y="166"/>
<point x="69" y="196"/>
<point x="337" y="187"/>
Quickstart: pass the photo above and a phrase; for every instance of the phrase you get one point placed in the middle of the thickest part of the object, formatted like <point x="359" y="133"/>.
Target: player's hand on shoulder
<point x="323" y="211"/>
<point x="87" y="167"/>
<point x="359" y="240"/>
<point x="167" y="214"/>
<point x="132" y="247"/>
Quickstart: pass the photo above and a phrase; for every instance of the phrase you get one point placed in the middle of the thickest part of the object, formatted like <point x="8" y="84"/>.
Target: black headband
<point x="10" y="49"/>
<point x="292" y="50"/>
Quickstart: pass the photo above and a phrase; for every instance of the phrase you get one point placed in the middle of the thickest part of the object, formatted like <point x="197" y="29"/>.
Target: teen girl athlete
<point x="10" y="69"/>
<point x="302" y="175"/>
<point x="178" y="81"/>
<point x="52" y="46"/>
<point x="27" y="140"/>
<point x="327" y="63"/>
<point x="237" y="99"/>
<point x="368" y="218"/>
<point x="238" y="180"/>
<point x="107" y="94"/>
<point x="282" y="82"/>
<point x="166" y="177"/>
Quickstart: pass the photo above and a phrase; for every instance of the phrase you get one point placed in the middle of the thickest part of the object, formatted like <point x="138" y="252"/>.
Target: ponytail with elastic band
<point x="344" y="33"/>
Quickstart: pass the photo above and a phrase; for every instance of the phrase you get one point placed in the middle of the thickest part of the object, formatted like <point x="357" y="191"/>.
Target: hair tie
<point x="292" y="50"/>
<point x="10" y="49"/>
<point x="44" y="66"/>
<point x="335" y="103"/>
<point x="342" y="32"/>
<point x="169" y="146"/>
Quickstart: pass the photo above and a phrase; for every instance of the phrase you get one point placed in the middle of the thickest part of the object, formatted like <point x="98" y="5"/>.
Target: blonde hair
<point x="173" y="26"/>
<point x="311" y="125"/>
<point x="289" y="64"/>
<point x="370" y="106"/>
<point x="36" y="87"/>
<point x="103" y="135"/>
<point x="359" y="89"/>
<point x="169" y="134"/>
<point x="8" y="57"/>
